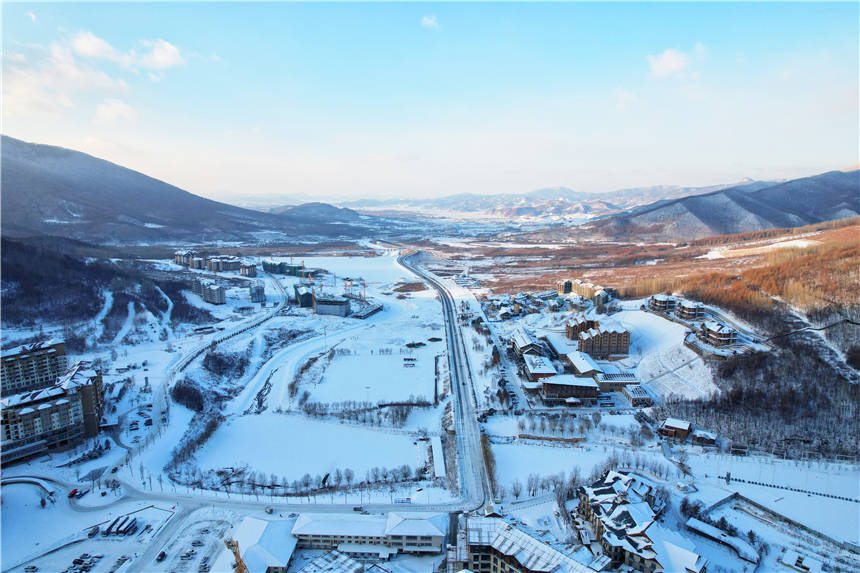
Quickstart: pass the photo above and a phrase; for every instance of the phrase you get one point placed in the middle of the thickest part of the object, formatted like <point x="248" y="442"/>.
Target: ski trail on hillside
<point x="98" y="320"/>
<point x="126" y="326"/>
<point x="165" y="317"/>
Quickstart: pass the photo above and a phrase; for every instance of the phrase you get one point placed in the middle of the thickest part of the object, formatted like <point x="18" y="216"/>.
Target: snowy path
<point x="165" y="317"/>
<point x="126" y="326"/>
<point x="98" y="320"/>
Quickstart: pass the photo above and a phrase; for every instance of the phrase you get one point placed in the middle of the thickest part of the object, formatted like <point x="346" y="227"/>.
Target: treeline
<point x="771" y="233"/>
<point x="225" y="365"/>
<point x="187" y="394"/>
<point x="808" y="279"/>
<point x="788" y="401"/>
<point x="394" y="414"/>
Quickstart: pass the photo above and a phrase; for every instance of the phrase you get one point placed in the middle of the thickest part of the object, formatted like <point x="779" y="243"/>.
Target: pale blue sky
<point x="345" y="100"/>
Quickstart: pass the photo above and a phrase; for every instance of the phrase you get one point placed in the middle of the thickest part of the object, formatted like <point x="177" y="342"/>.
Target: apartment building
<point x="223" y="263"/>
<point x="577" y="324"/>
<point x="32" y="366"/>
<point x="248" y="269"/>
<point x="596" y="293"/>
<point x="257" y="292"/>
<point x="57" y="416"/>
<point x="662" y="303"/>
<point x="690" y="310"/>
<point x="184" y="257"/>
<point x="718" y="334"/>
<point x="283" y="268"/>
<point x="604" y="341"/>
<point x="209" y="291"/>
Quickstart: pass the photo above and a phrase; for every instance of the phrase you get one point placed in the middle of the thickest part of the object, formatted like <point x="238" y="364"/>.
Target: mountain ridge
<point x="51" y="190"/>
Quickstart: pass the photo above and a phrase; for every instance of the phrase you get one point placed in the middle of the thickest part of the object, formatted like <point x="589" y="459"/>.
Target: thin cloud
<point x="158" y="54"/>
<point x="31" y="16"/>
<point x="162" y="55"/>
<point x="625" y="99"/>
<point x="669" y="63"/>
<point x="50" y="80"/>
<point x="430" y="21"/>
<point x="113" y="110"/>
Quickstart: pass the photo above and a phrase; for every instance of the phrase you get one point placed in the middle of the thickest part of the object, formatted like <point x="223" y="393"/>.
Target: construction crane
<point x="233" y="546"/>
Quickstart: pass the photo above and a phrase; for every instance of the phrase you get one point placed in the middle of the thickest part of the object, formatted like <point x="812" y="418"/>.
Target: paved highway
<point x="474" y="479"/>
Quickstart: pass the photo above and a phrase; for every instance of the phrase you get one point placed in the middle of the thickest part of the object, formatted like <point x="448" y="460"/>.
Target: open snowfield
<point x="663" y="363"/>
<point x="837" y="518"/>
<point x="291" y="446"/>
<point x="518" y="460"/>
<point x="374" y="365"/>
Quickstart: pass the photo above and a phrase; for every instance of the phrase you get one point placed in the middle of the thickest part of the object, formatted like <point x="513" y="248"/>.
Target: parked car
<point x="161" y="557"/>
<point x="73" y="493"/>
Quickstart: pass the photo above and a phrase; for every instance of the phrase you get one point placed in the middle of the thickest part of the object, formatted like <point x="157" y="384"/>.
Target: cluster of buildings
<point x="583" y="380"/>
<point x="712" y="332"/>
<point x="508" y="306"/>
<point x="209" y="291"/>
<point x="46" y="405"/>
<point x="217" y="263"/>
<point x="600" y="341"/>
<point x="595" y="293"/>
<point x="683" y="309"/>
<point x="289" y="269"/>
<point x="621" y="512"/>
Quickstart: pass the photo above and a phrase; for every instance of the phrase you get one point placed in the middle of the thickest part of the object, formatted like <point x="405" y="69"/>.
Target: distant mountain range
<point x="551" y="204"/>
<point x="831" y="195"/>
<point x="51" y="190"/>
<point x="54" y="191"/>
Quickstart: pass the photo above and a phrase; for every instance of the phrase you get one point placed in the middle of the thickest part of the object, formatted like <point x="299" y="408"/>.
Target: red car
<point x="73" y="493"/>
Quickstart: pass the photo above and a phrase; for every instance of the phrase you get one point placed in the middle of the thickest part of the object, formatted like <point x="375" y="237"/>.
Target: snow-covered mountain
<point x="51" y="190"/>
<point x="551" y="204"/>
<point x="831" y="195"/>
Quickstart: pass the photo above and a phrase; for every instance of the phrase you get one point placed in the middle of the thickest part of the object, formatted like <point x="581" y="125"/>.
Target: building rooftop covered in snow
<point x="372" y="536"/>
<point x="622" y="510"/>
<point x="264" y="546"/>
<point x="492" y="544"/>
<point x="537" y="367"/>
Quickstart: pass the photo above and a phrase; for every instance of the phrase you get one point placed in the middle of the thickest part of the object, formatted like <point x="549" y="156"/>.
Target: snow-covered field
<point x="291" y="445"/>
<point x="836" y="518"/>
<point x="663" y="363"/>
